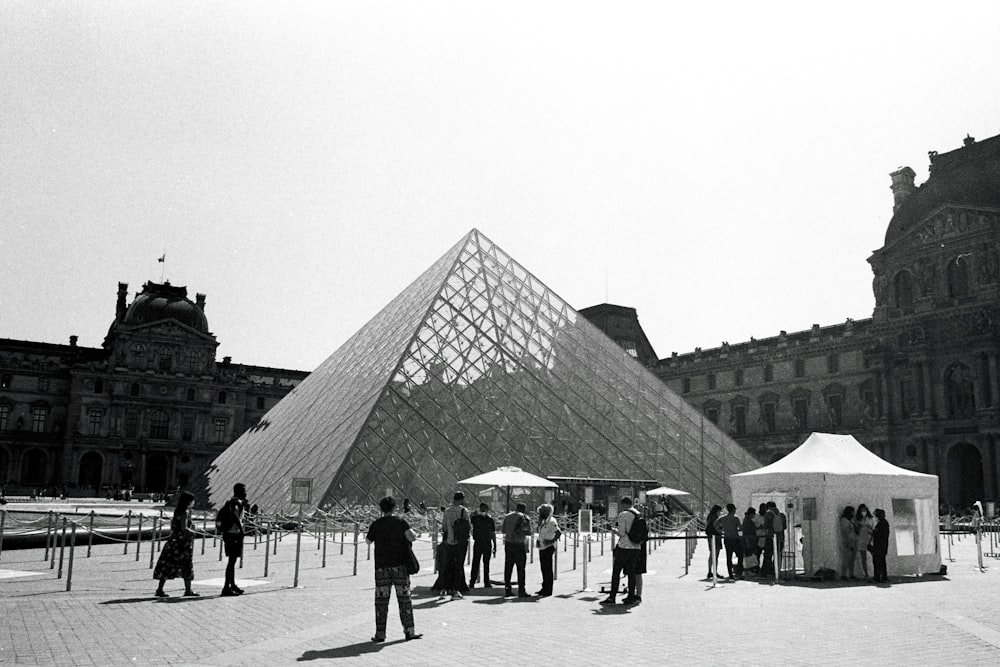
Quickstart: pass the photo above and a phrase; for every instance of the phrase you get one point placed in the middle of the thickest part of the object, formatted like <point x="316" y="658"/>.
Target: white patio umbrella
<point x="666" y="491"/>
<point x="508" y="477"/>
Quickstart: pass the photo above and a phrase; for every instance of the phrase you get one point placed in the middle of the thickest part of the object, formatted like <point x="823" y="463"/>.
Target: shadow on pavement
<point x="151" y="598"/>
<point x="351" y="651"/>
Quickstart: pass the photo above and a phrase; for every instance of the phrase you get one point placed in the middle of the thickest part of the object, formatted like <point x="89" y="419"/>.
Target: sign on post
<point x="301" y="490"/>
<point x="585" y="521"/>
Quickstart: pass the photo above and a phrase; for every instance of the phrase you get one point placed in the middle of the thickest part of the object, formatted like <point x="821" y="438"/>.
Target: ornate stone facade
<point x="917" y="382"/>
<point x="150" y="408"/>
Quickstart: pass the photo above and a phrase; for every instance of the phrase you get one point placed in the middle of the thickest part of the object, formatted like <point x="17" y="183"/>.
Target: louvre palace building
<point x="148" y="410"/>
<point x="918" y="382"/>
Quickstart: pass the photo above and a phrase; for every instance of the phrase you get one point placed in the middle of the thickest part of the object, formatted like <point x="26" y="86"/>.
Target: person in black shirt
<point x="391" y="536"/>
<point x="484" y="544"/>
<point x="880" y="546"/>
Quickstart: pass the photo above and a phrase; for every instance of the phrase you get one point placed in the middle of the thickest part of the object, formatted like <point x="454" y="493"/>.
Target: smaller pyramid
<point x="477" y="364"/>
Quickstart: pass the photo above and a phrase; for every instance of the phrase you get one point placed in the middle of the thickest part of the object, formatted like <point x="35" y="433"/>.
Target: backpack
<point x="638" y="531"/>
<point x="778" y="523"/>
<point x="224" y="518"/>
<point x="462" y="528"/>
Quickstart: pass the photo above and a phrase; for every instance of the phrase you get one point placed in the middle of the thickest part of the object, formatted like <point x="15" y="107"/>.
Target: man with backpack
<point x="229" y="522"/>
<point x="456" y="527"/>
<point x="632" y="533"/>
<point x="516" y="530"/>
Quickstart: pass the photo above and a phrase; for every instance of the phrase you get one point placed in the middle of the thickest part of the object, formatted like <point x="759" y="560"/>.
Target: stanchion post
<point x="48" y="536"/>
<point x="586" y="551"/>
<point x="3" y="520"/>
<point x="555" y="561"/>
<point x="62" y="549"/>
<point x="777" y="558"/>
<point x="343" y="538"/>
<point x="325" y="535"/>
<point x="128" y="529"/>
<point x="153" y="540"/>
<point x="90" y="534"/>
<point x="72" y="550"/>
<point x="714" y="564"/>
<point x="576" y="540"/>
<point x="138" y="540"/>
<point x="298" y="547"/>
<point x="357" y="528"/>
<point x="267" y="550"/>
<point x="204" y="531"/>
<point x="55" y="536"/>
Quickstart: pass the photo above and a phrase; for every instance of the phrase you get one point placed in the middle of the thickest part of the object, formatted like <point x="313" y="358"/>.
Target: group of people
<point x="859" y="535"/>
<point x="750" y="544"/>
<point x="177" y="556"/>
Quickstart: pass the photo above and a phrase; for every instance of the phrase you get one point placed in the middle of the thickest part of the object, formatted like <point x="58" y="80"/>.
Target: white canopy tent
<point x="826" y="473"/>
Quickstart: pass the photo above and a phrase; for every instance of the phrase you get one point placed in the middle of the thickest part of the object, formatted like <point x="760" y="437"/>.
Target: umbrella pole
<point x="508" y="499"/>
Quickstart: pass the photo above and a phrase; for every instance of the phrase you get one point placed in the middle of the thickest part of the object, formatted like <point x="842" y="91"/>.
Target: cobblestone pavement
<point x="111" y="618"/>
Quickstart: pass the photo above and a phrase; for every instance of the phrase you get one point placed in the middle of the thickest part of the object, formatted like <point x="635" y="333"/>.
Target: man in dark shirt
<point x="484" y="544"/>
<point x="880" y="546"/>
<point x="516" y="531"/>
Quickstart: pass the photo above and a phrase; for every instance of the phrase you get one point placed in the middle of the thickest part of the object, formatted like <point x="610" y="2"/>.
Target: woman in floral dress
<point x="177" y="557"/>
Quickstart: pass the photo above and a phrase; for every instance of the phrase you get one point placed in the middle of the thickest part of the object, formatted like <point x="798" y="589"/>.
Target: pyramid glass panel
<point x="475" y="365"/>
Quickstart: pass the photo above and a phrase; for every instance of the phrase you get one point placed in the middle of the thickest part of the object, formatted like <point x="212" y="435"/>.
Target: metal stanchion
<point x="555" y="561"/>
<point x="204" y="532"/>
<point x="55" y="531"/>
<point x="267" y="550"/>
<point x="324" y="540"/>
<point x="369" y="557"/>
<point x="62" y="549"/>
<point x="576" y="540"/>
<point x="128" y="529"/>
<point x="714" y="564"/>
<point x="357" y="527"/>
<point x="3" y="520"/>
<point x="153" y="538"/>
<point x="138" y="540"/>
<point x="90" y="534"/>
<point x="72" y="550"/>
<point x="298" y="548"/>
<point x="343" y="538"/>
<point x="586" y="559"/>
<point x="220" y="550"/>
<point x="48" y="535"/>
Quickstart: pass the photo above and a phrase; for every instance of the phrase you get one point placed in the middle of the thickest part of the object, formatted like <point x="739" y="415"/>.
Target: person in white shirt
<point x="626" y="555"/>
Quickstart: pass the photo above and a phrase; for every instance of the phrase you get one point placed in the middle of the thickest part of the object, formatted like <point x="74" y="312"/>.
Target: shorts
<point x="233" y="543"/>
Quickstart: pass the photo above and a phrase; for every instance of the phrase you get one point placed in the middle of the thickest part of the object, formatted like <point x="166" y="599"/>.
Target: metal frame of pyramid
<point x="475" y="365"/>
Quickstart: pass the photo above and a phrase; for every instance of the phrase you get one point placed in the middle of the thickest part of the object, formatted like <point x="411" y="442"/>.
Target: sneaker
<point x="378" y="638"/>
<point x="456" y="596"/>
<point x="628" y="600"/>
<point x="228" y="592"/>
<point x="508" y="593"/>
<point x="161" y="594"/>
<point x="191" y="594"/>
<point x="608" y="601"/>
<point x="523" y="594"/>
<point x="413" y="635"/>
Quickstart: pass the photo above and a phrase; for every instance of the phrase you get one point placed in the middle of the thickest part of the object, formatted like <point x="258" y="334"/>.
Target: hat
<point x="458" y="496"/>
<point x="880" y="513"/>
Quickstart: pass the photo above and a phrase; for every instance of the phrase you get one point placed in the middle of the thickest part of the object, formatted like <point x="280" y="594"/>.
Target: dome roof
<point x="966" y="176"/>
<point x="162" y="302"/>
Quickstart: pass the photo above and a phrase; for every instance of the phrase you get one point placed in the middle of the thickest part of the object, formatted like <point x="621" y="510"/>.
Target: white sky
<point x="723" y="168"/>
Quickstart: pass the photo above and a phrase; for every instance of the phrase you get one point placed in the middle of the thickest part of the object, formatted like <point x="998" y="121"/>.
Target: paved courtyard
<point x="111" y="618"/>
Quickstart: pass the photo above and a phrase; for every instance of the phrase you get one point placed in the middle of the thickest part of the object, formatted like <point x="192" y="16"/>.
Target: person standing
<point x="516" y="532"/>
<point x="392" y="538"/>
<point x="777" y="536"/>
<point x="231" y="519"/>
<point x="880" y="547"/>
<point x="484" y="544"/>
<point x="548" y="534"/>
<point x="750" y="541"/>
<point x="626" y="555"/>
<point x="848" y="542"/>
<point x="729" y="526"/>
<point x="714" y="536"/>
<point x="177" y="557"/>
<point x="864" y="525"/>
<point x="456" y="527"/>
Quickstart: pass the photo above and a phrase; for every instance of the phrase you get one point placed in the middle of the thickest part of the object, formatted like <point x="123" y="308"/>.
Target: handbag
<point x="413" y="566"/>
<point x="750" y="562"/>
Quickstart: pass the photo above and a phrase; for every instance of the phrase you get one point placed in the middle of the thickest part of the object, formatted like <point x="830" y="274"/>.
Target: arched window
<point x="91" y="465"/>
<point x="958" y="276"/>
<point x="159" y="424"/>
<point x="960" y="394"/>
<point x="903" y="284"/>
<point x="33" y="468"/>
<point x="194" y="361"/>
<point x="138" y="351"/>
<point x="165" y="359"/>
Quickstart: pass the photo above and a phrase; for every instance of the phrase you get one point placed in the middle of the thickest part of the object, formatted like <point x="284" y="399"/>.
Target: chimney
<point x="72" y="341"/>
<point x="199" y="300"/>
<point x="122" y="295"/>
<point x="969" y="140"/>
<point x="902" y="186"/>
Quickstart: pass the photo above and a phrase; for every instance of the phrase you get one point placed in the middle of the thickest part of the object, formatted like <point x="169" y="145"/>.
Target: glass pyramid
<point x="475" y="365"/>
